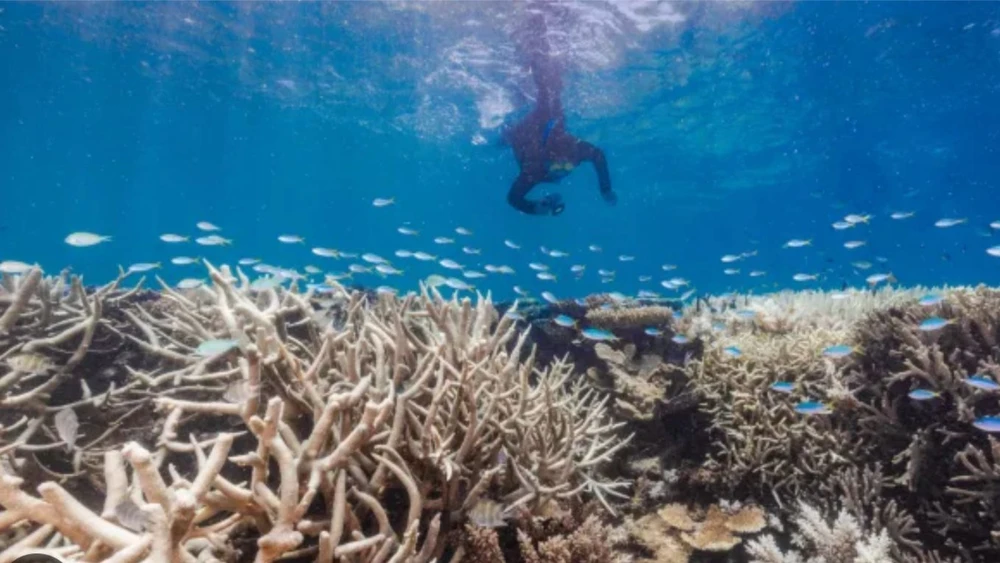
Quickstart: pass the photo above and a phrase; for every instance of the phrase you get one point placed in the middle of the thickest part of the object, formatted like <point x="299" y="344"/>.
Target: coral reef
<point x="231" y="423"/>
<point x="237" y="424"/>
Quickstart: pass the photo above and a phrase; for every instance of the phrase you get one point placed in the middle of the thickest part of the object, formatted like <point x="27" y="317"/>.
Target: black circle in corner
<point x="37" y="558"/>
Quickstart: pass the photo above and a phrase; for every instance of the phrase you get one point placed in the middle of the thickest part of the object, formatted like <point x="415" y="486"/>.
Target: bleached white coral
<point x="845" y="541"/>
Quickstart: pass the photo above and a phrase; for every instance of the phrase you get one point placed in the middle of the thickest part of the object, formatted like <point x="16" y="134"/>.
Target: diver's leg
<point x="544" y="69"/>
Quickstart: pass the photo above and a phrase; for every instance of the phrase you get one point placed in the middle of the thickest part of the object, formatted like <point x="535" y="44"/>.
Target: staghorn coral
<point x="544" y="540"/>
<point x="641" y="385"/>
<point x="631" y="317"/>
<point x="946" y="466"/>
<point x="760" y="442"/>
<point x="317" y="433"/>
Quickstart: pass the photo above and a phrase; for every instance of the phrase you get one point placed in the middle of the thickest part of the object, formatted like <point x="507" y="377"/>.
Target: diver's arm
<point x="517" y="197"/>
<point x="587" y="151"/>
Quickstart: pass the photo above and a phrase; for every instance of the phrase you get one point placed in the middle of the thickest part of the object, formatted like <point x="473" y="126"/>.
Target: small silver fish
<point x="237" y="392"/>
<point x="67" y="426"/>
<point x="473" y="275"/>
<point x="190" y="283"/>
<point x="29" y="362"/>
<point x="408" y="231"/>
<point x="169" y="237"/>
<point x="797" y="243"/>
<point x="857" y="219"/>
<point x="947" y="222"/>
<point x="404" y="254"/>
<point x="291" y="239"/>
<point x="463" y="231"/>
<point x="538" y="267"/>
<point x="206" y="226"/>
<point x="143" y="267"/>
<point x="558" y="254"/>
<point x="325" y="252"/>
<point x="424" y="257"/>
<point x="852" y="244"/>
<point x="213" y="240"/>
<point x="383" y="201"/>
<point x="313" y="270"/>
<point x="546" y="276"/>
<point x="577" y="268"/>
<point x="248" y="261"/>
<point x="387" y="270"/>
<point x="805" y="277"/>
<point x="450" y="264"/>
<point x="512" y="245"/>
<point x="626" y="258"/>
<point x="468" y="250"/>
<point x="457" y="284"/>
<point x="130" y="516"/>
<point x="898" y="215"/>
<point x="373" y="258"/>
<point x="594" y="248"/>
<point x="841" y="225"/>
<point x="83" y="239"/>
<point x="487" y="514"/>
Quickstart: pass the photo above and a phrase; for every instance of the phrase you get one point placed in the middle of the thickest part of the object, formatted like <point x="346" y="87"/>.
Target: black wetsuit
<point x="544" y="150"/>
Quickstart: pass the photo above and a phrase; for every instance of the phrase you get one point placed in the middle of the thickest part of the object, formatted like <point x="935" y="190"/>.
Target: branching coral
<point x="418" y="397"/>
<point x="940" y="458"/>
<point x="761" y="442"/>
<point x="843" y="541"/>
<point x="630" y="317"/>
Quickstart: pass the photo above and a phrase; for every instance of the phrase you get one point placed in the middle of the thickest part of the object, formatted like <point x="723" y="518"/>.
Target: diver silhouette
<point x="545" y="151"/>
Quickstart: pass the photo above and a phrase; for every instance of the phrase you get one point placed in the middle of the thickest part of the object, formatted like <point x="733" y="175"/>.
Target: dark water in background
<point x="728" y="127"/>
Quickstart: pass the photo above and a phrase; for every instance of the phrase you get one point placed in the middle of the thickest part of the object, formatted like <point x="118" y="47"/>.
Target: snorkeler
<point x="544" y="150"/>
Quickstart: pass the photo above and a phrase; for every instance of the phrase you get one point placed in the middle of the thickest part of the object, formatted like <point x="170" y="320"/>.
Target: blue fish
<point x="653" y="331"/>
<point x="982" y="382"/>
<point x="564" y="321"/>
<point x="514" y="315"/>
<point x="838" y="351"/>
<point x="580" y="302"/>
<point x="680" y="339"/>
<point x="783" y="386"/>
<point x="922" y="394"/>
<point x="733" y="351"/>
<point x="933" y="323"/>
<point x="812" y="407"/>
<point x="597" y="334"/>
<point x="989" y="424"/>
<point x="930" y="299"/>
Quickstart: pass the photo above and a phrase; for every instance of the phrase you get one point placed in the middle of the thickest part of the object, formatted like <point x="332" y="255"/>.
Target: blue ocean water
<point x="729" y="128"/>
